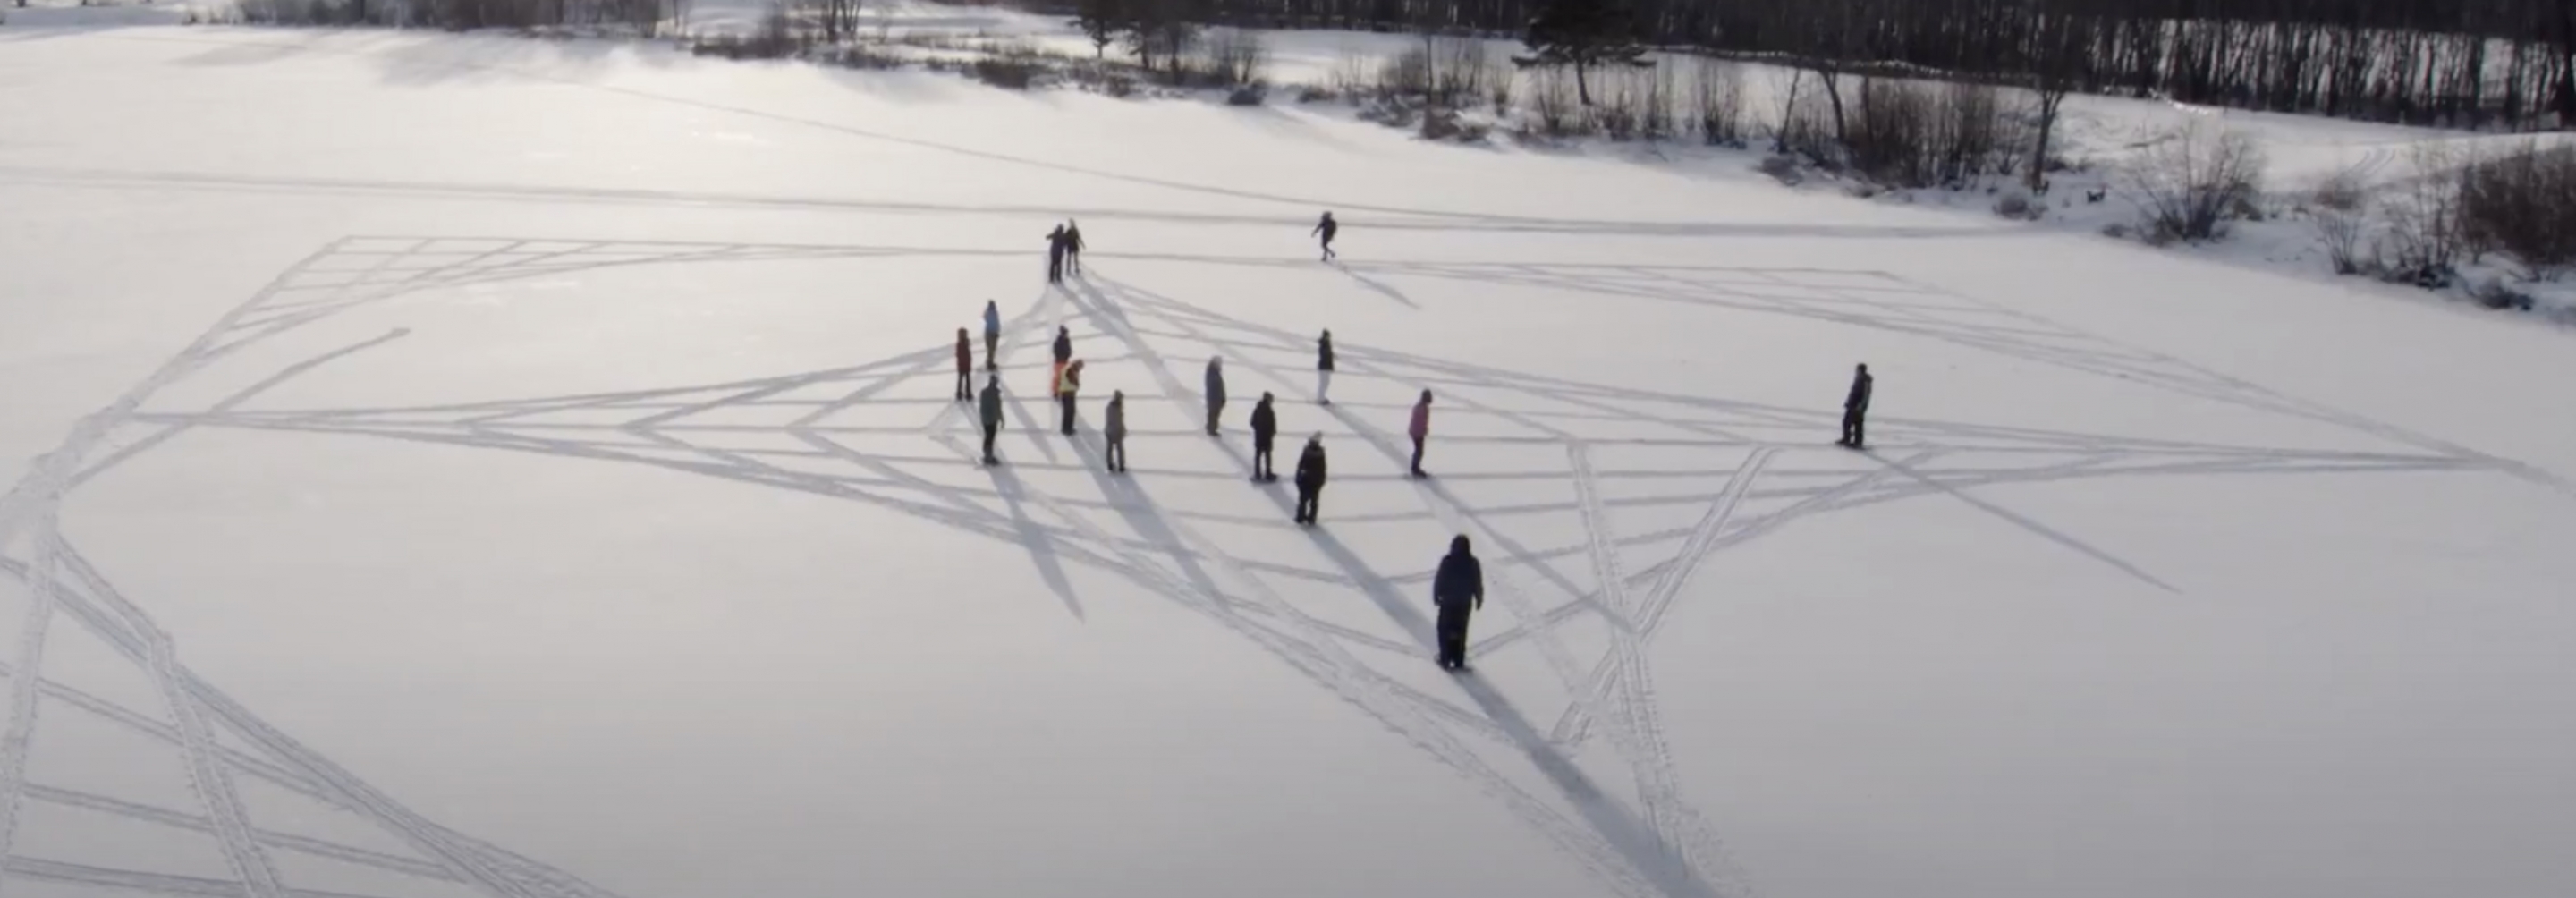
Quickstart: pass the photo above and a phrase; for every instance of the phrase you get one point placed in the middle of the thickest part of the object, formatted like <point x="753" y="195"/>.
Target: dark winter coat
<point x="1420" y="426"/>
<point x="1215" y="384"/>
<point x="1858" y="401"/>
<point x="1056" y="244"/>
<point x="1265" y="423"/>
<point x="990" y="406"/>
<point x="1328" y="227"/>
<point x="992" y="319"/>
<point x="1324" y="354"/>
<point x="1310" y="467"/>
<point x="1063" y="347"/>
<point x="1114" y="423"/>
<point x="1073" y="239"/>
<point x="1461" y="579"/>
<point x="965" y="354"/>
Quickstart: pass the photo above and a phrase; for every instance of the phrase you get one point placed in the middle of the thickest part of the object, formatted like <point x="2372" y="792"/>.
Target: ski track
<point x="1619" y="689"/>
<point x="1659" y="792"/>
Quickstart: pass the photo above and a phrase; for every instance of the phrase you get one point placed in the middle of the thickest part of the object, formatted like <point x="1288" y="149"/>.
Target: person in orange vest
<point x="1068" y="382"/>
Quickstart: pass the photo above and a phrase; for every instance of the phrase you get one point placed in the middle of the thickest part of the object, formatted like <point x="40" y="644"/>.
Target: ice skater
<point x="1072" y="248"/>
<point x="1068" y="383"/>
<point x="1310" y="481"/>
<point x="1420" y="430"/>
<point x="1265" y="427"/>
<point x="1215" y="392"/>
<point x="965" y="367"/>
<point x="1856" y="409"/>
<point x="992" y="336"/>
<point x="1055" y="255"/>
<point x="1459" y="591"/>
<point x="1324" y="369"/>
<point x="1326" y="229"/>
<point x="1113" y="428"/>
<point x="990" y="409"/>
<point x="1063" y="344"/>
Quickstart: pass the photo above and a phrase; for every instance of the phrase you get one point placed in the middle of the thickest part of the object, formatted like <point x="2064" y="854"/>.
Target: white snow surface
<point x="455" y="466"/>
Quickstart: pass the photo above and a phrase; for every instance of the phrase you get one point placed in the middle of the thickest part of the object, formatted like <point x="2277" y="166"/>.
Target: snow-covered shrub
<point x="1010" y="72"/>
<point x="2424" y="240"/>
<point x="1247" y="95"/>
<point x="2340" y="192"/>
<point x="1915" y="135"/>
<point x="1552" y="102"/>
<point x="1234" y="57"/>
<point x="1717" y="96"/>
<point x="2494" y="293"/>
<point x="1308" y="93"/>
<point x="1783" y="169"/>
<point x="2523" y="204"/>
<point x="2019" y="207"/>
<point x="2187" y="184"/>
<point x="2340" y="231"/>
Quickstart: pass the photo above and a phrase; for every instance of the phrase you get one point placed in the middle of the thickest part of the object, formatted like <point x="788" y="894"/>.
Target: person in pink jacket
<point x="1420" y="430"/>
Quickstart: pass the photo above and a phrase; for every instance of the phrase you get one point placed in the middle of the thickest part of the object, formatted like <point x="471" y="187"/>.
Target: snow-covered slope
<point x="462" y="466"/>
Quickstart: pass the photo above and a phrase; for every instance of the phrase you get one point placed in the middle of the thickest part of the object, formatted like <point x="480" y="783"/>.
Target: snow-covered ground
<point x="470" y="466"/>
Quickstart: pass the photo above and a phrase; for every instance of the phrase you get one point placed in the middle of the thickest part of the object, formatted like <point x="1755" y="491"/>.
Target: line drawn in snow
<point x="1644" y="840"/>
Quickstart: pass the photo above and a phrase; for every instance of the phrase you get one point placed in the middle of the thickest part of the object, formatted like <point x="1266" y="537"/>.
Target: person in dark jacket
<point x="1856" y="408"/>
<point x="1324" y="369"/>
<point x="1072" y="247"/>
<point x="1068" y="383"/>
<point x="1310" y="481"/>
<point x="965" y="367"/>
<point x="1113" y="428"/>
<point x="1063" y="344"/>
<point x="1215" y="392"/>
<point x="1265" y="427"/>
<point x="992" y="336"/>
<point x="1459" y="591"/>
<point x="1056" y="247"/>
<point x="1326" y="229"/>
<point x="1420" y="430"/>
<point x="990" y="409"/>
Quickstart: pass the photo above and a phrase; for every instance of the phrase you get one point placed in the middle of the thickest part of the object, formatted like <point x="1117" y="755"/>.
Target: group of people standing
<point x="1458" y="588"/>
<point x="1064" y="383"/>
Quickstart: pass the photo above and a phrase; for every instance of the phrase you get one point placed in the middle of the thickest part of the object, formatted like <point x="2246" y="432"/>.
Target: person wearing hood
<point x="1072" y="247"/>
<point x="1856" y="408"/>
<point x="990" y="408"/>
<point x="1215" y="392"/>
<point x="992" y="336"/>
<point x="1310" y="481"/>
<point x="1113" y="428"/>
<point x="1420" y="430"/>
<point x="1459" y="591"/>
<point x="1326" y="229"/>
<point x="1063" y="344"/>
<point x="1056" y="247"/>
<point x="1068" y="382"/>
<point x="1265" y="427"/>
<point x="1324" y="369"/>
<point x="965" y="367"/>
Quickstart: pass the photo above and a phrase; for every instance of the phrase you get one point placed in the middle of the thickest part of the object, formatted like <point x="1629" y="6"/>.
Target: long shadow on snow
<point x="1647" y="853"/>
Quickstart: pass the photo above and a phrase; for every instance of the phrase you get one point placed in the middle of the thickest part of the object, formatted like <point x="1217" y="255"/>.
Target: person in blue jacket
<point x="1459" y="590"/>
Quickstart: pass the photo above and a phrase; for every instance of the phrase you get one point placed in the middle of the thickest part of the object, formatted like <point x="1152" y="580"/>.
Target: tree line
<point x="2452" y="63"/>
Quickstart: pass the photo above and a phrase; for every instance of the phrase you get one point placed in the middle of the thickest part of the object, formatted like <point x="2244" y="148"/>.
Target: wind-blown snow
<point x="469" y="466"/>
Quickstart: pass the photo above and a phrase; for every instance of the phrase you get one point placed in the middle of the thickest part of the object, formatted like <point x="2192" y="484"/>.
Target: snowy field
<point x="460" y="466"/>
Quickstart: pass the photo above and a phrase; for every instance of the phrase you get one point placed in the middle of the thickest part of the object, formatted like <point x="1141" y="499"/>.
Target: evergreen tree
<point x="1585" y="34"/>
<point x="1103" y="21"/>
